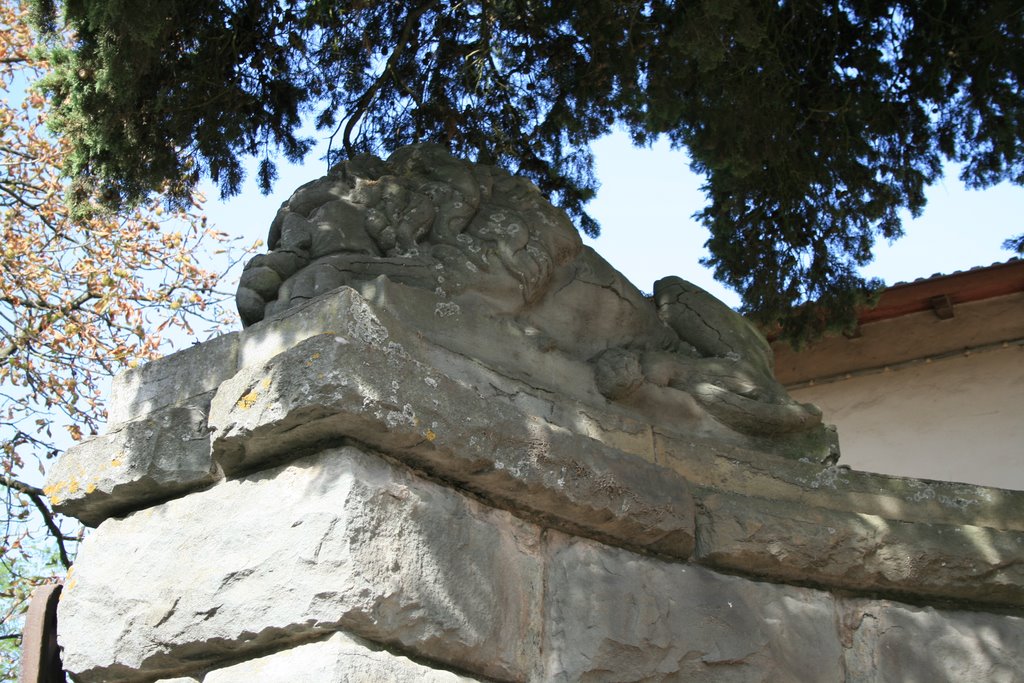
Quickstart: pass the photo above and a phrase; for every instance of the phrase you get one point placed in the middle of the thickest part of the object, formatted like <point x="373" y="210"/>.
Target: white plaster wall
<point x="959" y="418"/>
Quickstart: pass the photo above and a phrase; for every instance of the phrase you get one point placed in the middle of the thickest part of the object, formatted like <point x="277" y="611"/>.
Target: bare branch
<point x="28" y="334"/>
<point x="19" y="486"/>
<point x="38" y="499"/>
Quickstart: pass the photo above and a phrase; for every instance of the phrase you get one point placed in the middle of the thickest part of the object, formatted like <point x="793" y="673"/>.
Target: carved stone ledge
<point x="331" y="389"/>
<point x="161" y="455"/>
<point x="853" y="551"/>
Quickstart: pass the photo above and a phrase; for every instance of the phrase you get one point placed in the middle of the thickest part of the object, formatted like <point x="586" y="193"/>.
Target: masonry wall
<point x="922" y="396"/>
<point x="957" y="418"/>
<point x="331" y="495"/>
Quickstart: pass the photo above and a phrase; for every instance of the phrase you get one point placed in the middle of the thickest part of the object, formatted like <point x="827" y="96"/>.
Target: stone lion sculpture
<point x="469" y="232"/>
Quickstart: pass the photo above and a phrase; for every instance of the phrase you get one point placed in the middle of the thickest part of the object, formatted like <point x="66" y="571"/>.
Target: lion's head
<point x="423" y="218"/>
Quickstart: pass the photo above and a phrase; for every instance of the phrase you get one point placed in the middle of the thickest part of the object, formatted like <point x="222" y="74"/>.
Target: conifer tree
<point x="814" y="123"/>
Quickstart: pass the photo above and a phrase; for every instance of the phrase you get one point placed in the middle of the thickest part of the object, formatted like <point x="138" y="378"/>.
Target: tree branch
<point x="75" y="304"/>
<point x="388" y="72"/>
<point x="37" y="497"/>
<point x="20" y="486"/>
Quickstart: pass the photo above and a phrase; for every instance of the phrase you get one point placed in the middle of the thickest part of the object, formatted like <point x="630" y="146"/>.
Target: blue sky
<point x="648" y="196"/>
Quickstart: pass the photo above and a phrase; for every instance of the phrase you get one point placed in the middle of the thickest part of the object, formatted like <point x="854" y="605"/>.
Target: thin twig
<point x="37" y="497"/>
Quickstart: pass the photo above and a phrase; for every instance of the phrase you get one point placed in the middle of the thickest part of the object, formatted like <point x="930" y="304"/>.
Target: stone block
<point x="165" y="454"/>
<point x="343" y="313"/>
<point x="173" y="380"/>
<point x="888" y="642"/>
<point x="339" y="659"/>
<point x="720" y="467"/>
<point x="336" y="541"/>
<point x="612" y="615"/>
<point x="792" y="542"/>
<point x="331" y="388"/>
<point x="498" y="359"/>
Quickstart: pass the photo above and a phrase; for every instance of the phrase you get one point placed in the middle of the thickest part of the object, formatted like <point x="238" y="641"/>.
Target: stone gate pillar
<point x="536" y="475"/>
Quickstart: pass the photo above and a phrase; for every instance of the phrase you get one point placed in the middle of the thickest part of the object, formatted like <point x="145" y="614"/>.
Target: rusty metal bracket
<point x="40" y="654"/>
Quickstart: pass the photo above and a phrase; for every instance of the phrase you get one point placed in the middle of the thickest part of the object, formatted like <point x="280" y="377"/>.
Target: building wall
<point x="959" y="418"/>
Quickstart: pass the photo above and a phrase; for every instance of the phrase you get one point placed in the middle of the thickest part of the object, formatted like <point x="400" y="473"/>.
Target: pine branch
<point x="364" y="102"/>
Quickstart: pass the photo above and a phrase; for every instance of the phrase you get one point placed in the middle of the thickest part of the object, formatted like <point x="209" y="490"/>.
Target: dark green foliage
<point x="161" y="90"/>
<point x="814" y="123"/>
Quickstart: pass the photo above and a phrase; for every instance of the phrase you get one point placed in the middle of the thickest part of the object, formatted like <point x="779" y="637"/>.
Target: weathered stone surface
<point x="500" y="360"/>
<point x="790" y="542"/>
<point x="148" y="459"/>
<point x="558" y="460"/>
<point x="173" y="380"/>
<point x="345" y="313"/>
<point x="888" y="642"/>
<point x="726" y="468"/>
<point x="472" y="354"/>
<point x="340" y="540"/>
<point x="570" y="402"/>
<point x="709" y="325"/>
<point x="468" y="334"/>
<point x="331" y="387"/>
<point x="471" y="232"/>
<point x="611" y="615"/>
<point x="339" y="659"/>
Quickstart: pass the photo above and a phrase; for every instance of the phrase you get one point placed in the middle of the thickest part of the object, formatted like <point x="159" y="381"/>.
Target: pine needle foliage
<point x="815" y="124"/>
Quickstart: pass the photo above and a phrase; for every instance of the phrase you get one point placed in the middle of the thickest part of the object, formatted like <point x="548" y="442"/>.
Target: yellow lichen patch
<point x="90" y="488"/>
<point x="54" y="492"/>
<point x="309" y="363"/>
<point x="430" y="435"/>
<point x="59" y="491"/>
<point x="248" y="401"/>
<point x="115" y="462"/>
